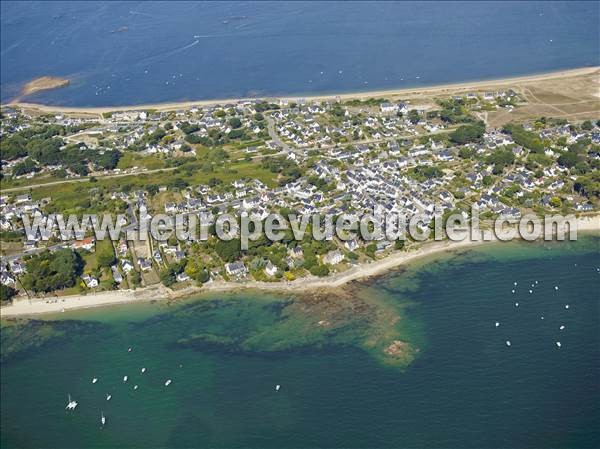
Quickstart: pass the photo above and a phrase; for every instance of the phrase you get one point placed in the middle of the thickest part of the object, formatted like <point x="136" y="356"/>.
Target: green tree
<point x="413" y="116"/>
<point x="6" y="293"/>
<point x="168" y="276"/>
<point x="319" y="270"/>
<point x="51" y="271"/>
<point x="468" y="133"/>
<point x="228" y="251"/>
<point x="235" y="122"/>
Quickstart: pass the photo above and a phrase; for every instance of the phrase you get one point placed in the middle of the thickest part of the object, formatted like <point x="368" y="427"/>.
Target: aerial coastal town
<point x="331" y="156"/>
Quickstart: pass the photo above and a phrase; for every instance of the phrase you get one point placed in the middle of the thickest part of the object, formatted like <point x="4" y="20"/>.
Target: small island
<point x="44" y="83"/>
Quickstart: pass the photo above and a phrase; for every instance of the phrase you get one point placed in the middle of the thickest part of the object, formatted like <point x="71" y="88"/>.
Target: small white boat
<point x="507" y="342"/>
<point x="94" y="380"/>
<point x="566" y="306"/>
<point x="512" y="291"/>
<point x="277" y="387"/>
<point x="135" y="387"/>
<point x="515" y="284"/>
<point x="102" y="419"/>
<point x="558" y="344"/>
<point x="108" y="396"/>
<point x="530" y="291"/>
<point x="125" y="378"/>
<point x="556" y="287"/>
<point x="542" y="317"/>
<point x="167" y="382"/>
<point x="497" y="324"/>
<point x="71" y="405"/>
<point x="516" y="304"/>
<point x="143" y="370"/>
<point x="129" y="350"/>
<point x="561" y="328"/>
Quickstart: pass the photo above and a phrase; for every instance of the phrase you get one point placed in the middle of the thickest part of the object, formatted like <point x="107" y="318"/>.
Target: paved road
<point x="34" y="251"/>
<point x="85" y="179"/>
<point x="274" y="136"/>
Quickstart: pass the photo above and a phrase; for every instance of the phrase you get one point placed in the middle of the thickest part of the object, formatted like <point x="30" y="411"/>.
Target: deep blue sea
<point x="118" y="53"/>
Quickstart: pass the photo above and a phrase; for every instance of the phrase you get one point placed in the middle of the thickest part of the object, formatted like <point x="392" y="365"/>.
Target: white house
<point x="270" y="269"/>
<point x="333" y="257"/>
<point x="126" y="265"/>
<point x="90" y="281"/>
<point x="236" y="269"/>
<point x="388" y="108"/>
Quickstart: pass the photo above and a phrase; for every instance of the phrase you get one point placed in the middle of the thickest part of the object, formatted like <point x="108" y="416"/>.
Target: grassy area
<point x="71" y="197"/>
<point x="130" y="159"/>
<point x="90" y="262"/>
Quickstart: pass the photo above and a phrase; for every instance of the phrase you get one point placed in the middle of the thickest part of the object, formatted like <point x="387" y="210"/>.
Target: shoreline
<point x="25" y="307"/>
<point x="434" y="88"/>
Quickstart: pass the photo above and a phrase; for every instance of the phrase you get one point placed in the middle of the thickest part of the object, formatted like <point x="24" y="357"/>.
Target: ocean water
<point x="119" y="53"/>
<point x="225" y="354"/>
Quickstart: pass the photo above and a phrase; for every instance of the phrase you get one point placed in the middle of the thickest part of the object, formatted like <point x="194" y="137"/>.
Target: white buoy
<point x="277" y="387"/>
<point x="497" y="324"/>
<point x="94" y="380"/>
<point x="507" y="342"/>
<point x="561" y="328"/>
<point x="558" y="344"/>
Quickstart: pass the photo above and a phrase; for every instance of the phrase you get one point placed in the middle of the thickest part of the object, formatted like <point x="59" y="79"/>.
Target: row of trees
<point x="47" y="148"/>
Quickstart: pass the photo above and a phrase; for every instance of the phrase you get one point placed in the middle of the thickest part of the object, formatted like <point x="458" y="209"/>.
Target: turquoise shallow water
<point x="465" y="388"/>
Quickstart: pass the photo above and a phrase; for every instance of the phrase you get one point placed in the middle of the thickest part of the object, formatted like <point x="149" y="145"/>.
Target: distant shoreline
<point x="39" y="306"/>
<point x="440" y="88"/>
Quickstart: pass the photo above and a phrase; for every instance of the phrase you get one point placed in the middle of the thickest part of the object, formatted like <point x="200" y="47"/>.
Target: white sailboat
<point x="71" y="405"/>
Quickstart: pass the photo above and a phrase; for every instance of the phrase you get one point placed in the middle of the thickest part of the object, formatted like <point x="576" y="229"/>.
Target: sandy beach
<point x="23" y="307"/>
<point x="434" y="89"/>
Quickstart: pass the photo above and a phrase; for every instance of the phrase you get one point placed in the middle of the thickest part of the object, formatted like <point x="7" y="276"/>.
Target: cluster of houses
<point x="374" y="174"/>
